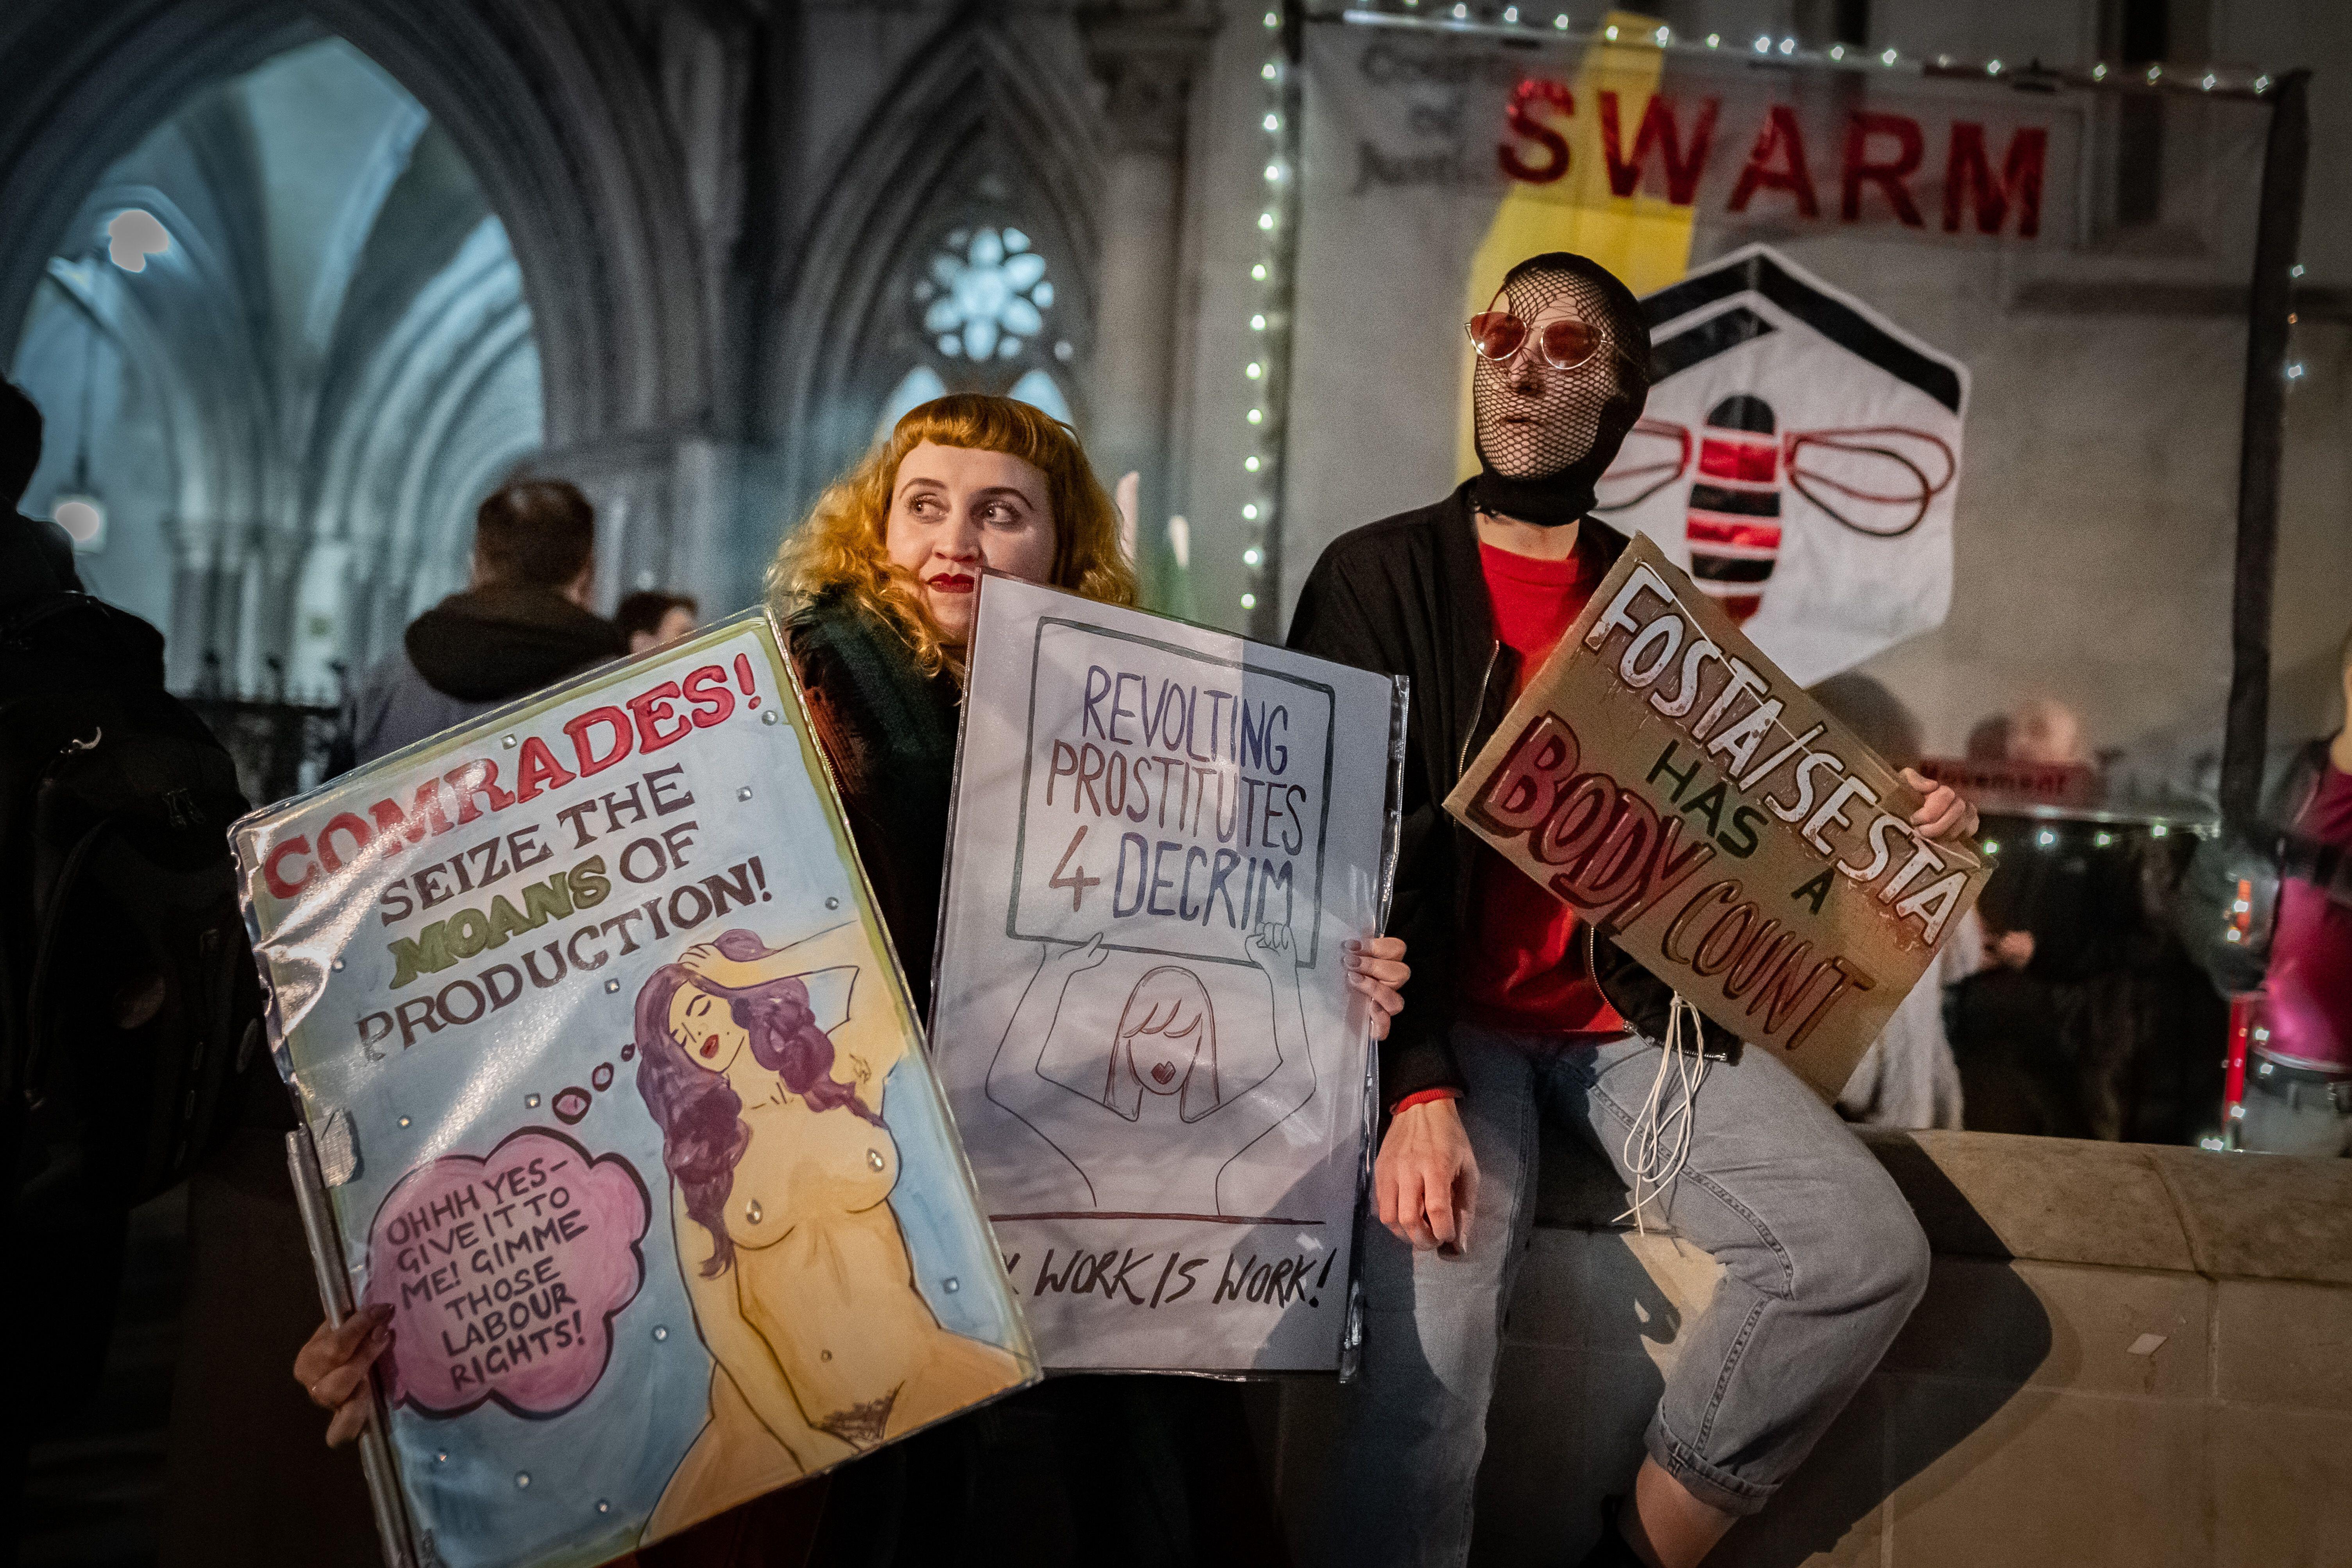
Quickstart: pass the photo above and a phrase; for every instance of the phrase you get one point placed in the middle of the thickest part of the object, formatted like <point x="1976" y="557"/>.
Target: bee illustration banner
<point x="1682" y="793"/>
<point x="1163" y="838"/>
<point x="1799" y="457"/>
<point x="620" y="1106"/>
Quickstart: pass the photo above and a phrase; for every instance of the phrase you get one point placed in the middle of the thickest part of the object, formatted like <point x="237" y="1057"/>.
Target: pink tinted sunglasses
<point x="1564" y="344"/>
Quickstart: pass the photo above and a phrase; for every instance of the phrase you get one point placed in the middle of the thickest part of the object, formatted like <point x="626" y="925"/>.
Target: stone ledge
<point x="2126" y="1356"/>
<point x="2051" y="1200"/>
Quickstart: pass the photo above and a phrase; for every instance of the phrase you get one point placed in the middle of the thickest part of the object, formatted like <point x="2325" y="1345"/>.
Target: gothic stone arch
<point x="982" y="127"/>
<point x="551" y="101"/>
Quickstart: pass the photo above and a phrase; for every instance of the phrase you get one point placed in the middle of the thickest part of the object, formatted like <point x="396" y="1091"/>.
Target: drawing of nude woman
<point x="765" y="1069"/>
<point x="1152" y="1124"/>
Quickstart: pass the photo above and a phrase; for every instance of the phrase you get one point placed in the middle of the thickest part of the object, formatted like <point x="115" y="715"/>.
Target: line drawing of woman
<point x="1179" y="1123"/>
<point x="801" y="1281"/>
<point x="1170" y="1012"/>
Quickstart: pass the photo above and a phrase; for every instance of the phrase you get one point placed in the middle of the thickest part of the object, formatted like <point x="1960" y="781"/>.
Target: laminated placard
<point x="1164" y="837"/>
<point x="1674" y="787"/>
<point x="619" y="1102"/>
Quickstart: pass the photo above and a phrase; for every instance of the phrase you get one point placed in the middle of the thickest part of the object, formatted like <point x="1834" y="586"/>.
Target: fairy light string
<point x="1524" y="22"/>
<point x="1265" y="368"/>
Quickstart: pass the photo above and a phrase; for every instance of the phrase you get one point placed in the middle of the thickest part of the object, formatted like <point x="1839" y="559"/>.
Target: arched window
<point x="1041" y="390"/>
<point x="985" y="295"/>
<point x="981" y="305"/>
<point x="961" y="240"/>
<point x="917" y="387"/>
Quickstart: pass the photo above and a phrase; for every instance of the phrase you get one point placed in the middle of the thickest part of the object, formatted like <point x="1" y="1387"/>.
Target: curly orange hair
<point x="840" y="548"/>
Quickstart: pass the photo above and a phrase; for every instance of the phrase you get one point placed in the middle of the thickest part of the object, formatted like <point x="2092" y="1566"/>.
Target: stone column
<point x="1146" y="64"/>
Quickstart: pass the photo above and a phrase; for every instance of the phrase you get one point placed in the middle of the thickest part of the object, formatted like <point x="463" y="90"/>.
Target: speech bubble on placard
<point x="504" y="1274"/>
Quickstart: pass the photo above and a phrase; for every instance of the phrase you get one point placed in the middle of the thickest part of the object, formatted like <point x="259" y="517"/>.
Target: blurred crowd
<point x="2088" y="994"/>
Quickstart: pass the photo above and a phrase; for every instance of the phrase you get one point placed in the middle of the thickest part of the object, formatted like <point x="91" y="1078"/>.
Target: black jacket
<point x="470" y="653"/>
<point x="889" y="731"/>
<point x="36" y="557"/>
<point x="1408" y="596"/>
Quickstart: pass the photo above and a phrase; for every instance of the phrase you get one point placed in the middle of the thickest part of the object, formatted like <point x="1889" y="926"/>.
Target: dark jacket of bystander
<point x="468" y="654"/>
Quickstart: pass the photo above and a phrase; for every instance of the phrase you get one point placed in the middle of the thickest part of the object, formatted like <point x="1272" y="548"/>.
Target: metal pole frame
<point x="2261" y="448"/>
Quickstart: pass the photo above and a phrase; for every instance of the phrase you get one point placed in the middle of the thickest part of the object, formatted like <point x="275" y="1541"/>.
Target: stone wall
<point x="2127" y="1355"/>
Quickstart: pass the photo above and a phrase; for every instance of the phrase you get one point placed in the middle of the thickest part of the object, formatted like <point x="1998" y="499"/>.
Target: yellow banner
<point x="1645" y="240"/>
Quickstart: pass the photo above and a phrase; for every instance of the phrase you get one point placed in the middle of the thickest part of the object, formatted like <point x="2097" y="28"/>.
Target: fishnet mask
<point x="1564" y="409"/>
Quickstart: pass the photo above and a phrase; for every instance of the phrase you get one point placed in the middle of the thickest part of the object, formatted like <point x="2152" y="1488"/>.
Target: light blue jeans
<point x="1822" y="1261"/>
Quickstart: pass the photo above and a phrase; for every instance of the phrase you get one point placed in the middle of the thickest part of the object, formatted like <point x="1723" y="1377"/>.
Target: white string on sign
<point x="1657" y="1146"/>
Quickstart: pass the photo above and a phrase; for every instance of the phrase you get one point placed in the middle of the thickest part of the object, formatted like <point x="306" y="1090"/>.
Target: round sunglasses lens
<point x="1497" y="333"/>
<point x="1567" y="344"/>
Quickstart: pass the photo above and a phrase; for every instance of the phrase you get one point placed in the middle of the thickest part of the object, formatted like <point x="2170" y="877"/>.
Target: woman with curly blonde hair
<point x="877" y="590"/>
<point x="894" y="537"/>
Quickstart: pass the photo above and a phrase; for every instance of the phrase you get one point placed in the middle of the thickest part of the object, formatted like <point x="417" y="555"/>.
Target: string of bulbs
<point x="1265" y="373"/>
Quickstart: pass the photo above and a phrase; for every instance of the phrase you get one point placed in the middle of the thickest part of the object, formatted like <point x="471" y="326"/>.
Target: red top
<point x="1523" y="963"/>
<point x="2310" y="982"/>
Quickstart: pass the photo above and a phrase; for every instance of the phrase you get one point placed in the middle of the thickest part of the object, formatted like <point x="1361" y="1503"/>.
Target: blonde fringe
<point x="840" y="546"/>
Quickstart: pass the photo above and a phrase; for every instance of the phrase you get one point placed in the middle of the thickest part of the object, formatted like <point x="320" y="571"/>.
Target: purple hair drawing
<point x="698" y="1112"/>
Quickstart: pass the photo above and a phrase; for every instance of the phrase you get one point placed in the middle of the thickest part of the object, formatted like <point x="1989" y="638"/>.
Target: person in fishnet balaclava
<point x="1516" y="1013"/>
<point x="1544" y="434"/>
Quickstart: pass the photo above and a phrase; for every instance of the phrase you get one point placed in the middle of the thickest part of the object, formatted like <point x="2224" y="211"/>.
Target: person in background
<point x="35" y="555"/>
<point x="2046" y="732"/>
<point x="650" y="618"/>
<point x="2040" y="730"/>
<point x="36" y="560"/>
<point x="1907" y="1078"/>
<point x="241" y="1289"/>
<point x="2299" y="1091"/>
<point x="2012" y="1033"/>
<point x="522" y="623"/>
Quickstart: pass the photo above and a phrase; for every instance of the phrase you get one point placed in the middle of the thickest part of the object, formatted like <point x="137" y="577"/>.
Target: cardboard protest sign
<point x="1668" y="782"/>
<point x="620" y="1105"/>
<point x="1162" y="837"/>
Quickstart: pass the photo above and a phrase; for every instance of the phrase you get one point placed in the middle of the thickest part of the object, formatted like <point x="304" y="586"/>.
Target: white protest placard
<point x="1163" y="837"/>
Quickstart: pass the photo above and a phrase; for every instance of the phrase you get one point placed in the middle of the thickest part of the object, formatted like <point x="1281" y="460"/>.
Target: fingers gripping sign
<point x="1377" y="971"/>
<point x="332" y="1368"/>
<point x="1943" y="814"/>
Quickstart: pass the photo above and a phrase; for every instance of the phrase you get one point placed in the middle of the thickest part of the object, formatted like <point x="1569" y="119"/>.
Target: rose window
<point x="985" y="294"/>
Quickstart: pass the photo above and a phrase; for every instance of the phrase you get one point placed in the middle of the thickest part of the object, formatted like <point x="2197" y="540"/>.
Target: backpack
<point x="130" y="1010"/>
